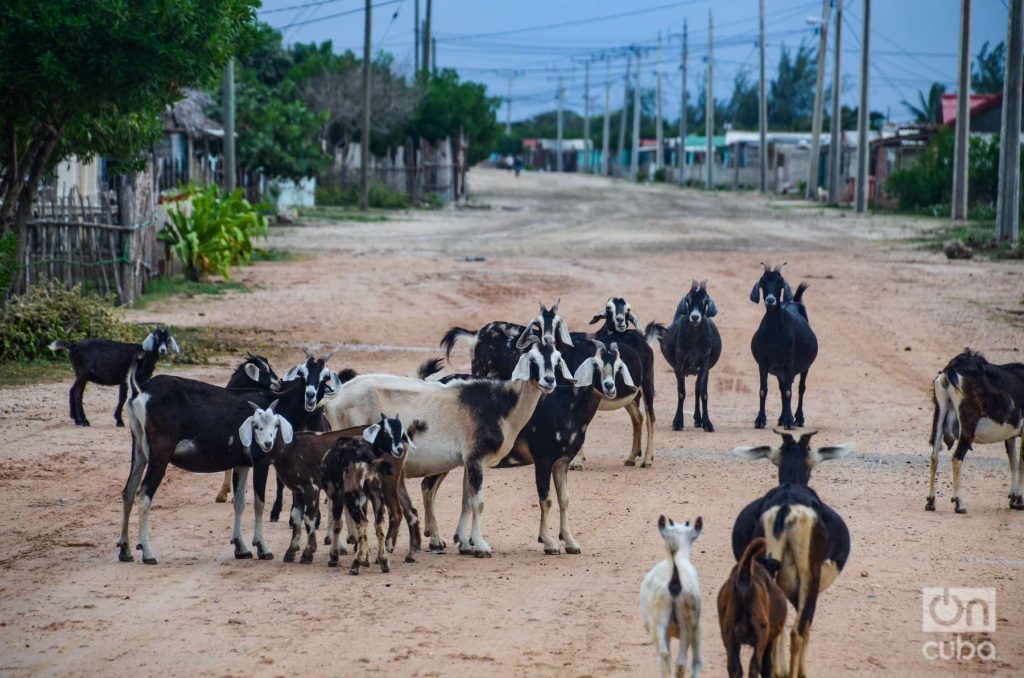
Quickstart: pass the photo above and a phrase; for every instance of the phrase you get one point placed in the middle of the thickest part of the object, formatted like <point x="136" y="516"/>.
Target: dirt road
<point x="887" y="316"/>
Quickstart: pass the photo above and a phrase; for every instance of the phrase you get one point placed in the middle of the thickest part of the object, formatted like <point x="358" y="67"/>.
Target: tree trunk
<point x="29" y="189"/>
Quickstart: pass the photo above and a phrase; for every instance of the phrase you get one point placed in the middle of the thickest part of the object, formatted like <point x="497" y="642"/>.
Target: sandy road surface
<point x="887" y="318"/>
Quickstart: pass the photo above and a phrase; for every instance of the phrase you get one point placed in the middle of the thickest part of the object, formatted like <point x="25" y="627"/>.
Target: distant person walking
<point x="518" y="165"/>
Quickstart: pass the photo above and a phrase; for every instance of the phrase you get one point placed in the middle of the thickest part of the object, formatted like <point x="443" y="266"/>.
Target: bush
<point x="49" y="311"/>
<point x="8" y="262"/>
<point x="348" y="196"/>
<point x="660" y="175"/>
<point x="216" y="234"/>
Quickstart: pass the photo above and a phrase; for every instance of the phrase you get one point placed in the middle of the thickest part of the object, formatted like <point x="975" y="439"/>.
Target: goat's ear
<point x="598" y="317"/>
<point x="755" y="293"/>
<point x="564" y="369"/>
<point x="370" y="433"/>
<point x="585" y="373"/>
<point x="773" y="454"/>
<point x="334" y="382"/>
<point x="293" y="373"/>
<point x="524" y="338"/>
<point x="245" y="433"/>
<point x="522" y="370"/>
<point x="787" y="292"/>
<point x="698" y="527"/>
<point x="174" y="345"/>
<point x="287" y="433"/>
<point x="252" y="371"/>
<point x="712" y="309"/>
<point x="832" y="452"/>
<point x="632" y="318"/>
<point x="563" y="333"/>
<point x="627" y="378"/>
<point x="148" y="342"/>
<point x="408" y="439"/>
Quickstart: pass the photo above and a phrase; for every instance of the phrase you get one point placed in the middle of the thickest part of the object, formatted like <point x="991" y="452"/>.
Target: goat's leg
<point x="798" y="420"/>
<point x="240" y="477"/>
<point x="128" y="499"/>
<point x="786" y="394"/>
<point x="561" y="477"/>
<point x="295" y="521"/>
<point x="762" y="419"/>
<point x="649" y="412"/>
<point x="465" y="542"/>
<point x="336" y="508"/>
<point x="1011" y="455"/>
<point x="259" y="487"/>
<point x="475" y="484"/>
<point x="658" y="629"/>
<point x="72" y="402"/>
<point x="275" y="510"/>
<point x="122" y="395"/>
<point x="705" y="421"/>
<point x="150" y="483"/>
<point x="429" y="486"/>
<point x="695" y="640"/>
<point x="698" y="419"/>
<point x="78" y="391"/>
<point x="636" y="417"/>
<point x="359" y="516"/>
<point x="678" y="421"/>
<point x="379" y="514"/>
<point x="933" y="464"/>
<point x="412" y="520"/>
<point x="733" y="665"/>
<point x="225" y="488"/>
<point x="1019" y="503"/>
<point x="780" y="660"/>
<point x="542" y="477"/>
<point x="958" y="461"/>
<point x="309" y="516"/>
<point x="577" y="462"/>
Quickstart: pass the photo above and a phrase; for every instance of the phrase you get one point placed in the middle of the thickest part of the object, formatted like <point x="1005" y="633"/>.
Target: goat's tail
<point x="780" y="521"/>
<point x="415" y="428"/>
<point x="800" y="289"/>
<point x="133" y="383"/>
<point x="347" y="374"/>
<point x="59" y="345"/>
<point x="452" y="335"/>
<point x="654" y="332"/>
<point x="754" y="549"/>
<point x="429" y="367"/>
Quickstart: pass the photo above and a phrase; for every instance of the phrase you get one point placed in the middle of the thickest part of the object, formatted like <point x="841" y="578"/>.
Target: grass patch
<point x="33" y="372"/>
<point x="978" y="235"/>
<point x="329" y="213"/>
<point x="161" y="288"/>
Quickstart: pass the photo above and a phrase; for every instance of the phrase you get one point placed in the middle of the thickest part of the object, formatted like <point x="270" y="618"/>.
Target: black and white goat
<point x="106" y="362"/>
<point x="478" y="421"/>
<point x="691" y="346"/>
<point x="556" y="432"/>
<point x="807" y="542"/>
<point x="783" y="345"/>
<point x="978" y="402"/>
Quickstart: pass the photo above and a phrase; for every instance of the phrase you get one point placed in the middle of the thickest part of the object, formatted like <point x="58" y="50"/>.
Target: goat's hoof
<point x="630" y="462"/>
<point x="119" y="424"/>
<point x="243" y="555"/>
<point x="149" y="561"/>
<point x="573" y="549"/>
<point x="410" y="559"/>
<point x="760" y="422"/>
<point x="289" y="555"/>
<point x="482" y="554"/>
<point x="1017" y="503"/>
<point x="438" y="547"/>
<point x="222" y="498"/>
<point x="709" y="427"/>
<point x="266" y="555"/>
<point x="384" y="567"/>
<point x="125" y="556"/>
<point x="332" y="562"/>
<point x="929" y="504"/>
<point x="350" y="540"/>
<point x="647" y="464"/>
<point x="306" y="559"/>
<point x="466" y="550"/>
<point x="274" y="517"/>
<point x="799" y="422"/>
<point x="957" y="506"/>
<point x="677" y="426"/>
<point x="548" y="551"/>
<point x="81" y="423"/>
<point x="354" y="570"/>
<point x="327" y="540"/>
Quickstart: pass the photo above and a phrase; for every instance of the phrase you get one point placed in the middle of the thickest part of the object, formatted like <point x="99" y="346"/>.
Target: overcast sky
<point x="913" y="42"/>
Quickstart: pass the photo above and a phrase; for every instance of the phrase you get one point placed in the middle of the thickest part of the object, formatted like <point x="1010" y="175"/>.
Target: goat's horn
<point x="305" y="349"/>
<point x="778" y="267"/>
<point x="328" y="356"/>
<point x="767" y="268"/>
<point x="254" y="405"/>
<point x="557" y="302"/>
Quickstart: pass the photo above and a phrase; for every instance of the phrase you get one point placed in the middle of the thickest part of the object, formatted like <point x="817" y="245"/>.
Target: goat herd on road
<point x="533" y="391"/>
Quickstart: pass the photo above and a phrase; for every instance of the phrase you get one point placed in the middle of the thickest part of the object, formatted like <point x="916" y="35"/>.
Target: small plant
<point x="215" y="234"/>
<point x="8" y="263"/>
<point x="348" y="196"/>
<point x="660" y="175"/>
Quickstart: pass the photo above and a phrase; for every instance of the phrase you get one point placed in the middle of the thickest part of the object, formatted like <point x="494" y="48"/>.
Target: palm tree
<point x="928" y="108"/>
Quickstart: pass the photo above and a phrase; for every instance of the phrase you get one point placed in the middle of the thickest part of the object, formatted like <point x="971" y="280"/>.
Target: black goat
<point x="784" y="344"/>
<point x="691" y="346"/>
<point x="107" y="362"/>
<point x="807" y="542"/>
<point x="978" y="402"/>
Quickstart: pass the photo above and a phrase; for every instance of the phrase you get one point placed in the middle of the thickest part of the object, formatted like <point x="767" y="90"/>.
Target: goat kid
<point x="670" y="599"/>
<point x="106" y="362"/>
<point x="783" y="345"/>
<point x="978" y="402"/>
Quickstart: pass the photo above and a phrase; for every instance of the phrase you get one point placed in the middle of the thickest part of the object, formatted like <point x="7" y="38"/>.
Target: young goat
<point x="752" y="611"/>
<point x="978" y="402"/>
<point x="807" y="542"/>
<point x="107" y="362"/>
<point x="368" y="470"/>
<point x="783" y="345"/>
<point x="670" y="599"/>
<point x="692" y="346"/>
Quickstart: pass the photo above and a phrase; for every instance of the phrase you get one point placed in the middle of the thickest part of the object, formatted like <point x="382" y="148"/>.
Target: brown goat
<point x="752" y="611"/>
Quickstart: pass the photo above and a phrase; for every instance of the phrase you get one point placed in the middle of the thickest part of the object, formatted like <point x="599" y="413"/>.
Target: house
<point x="183" y="154"/>
<point x="986" y="112"/>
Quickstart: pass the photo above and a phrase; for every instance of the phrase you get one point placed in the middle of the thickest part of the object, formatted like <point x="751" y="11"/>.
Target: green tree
<point x="744" y="107"/>
<point x="88" y="78"/>
<point x="929" y="106"/>
<point x="791" y="94"/>
<point x="449" y="105"/>
<point x="988" y="69"/>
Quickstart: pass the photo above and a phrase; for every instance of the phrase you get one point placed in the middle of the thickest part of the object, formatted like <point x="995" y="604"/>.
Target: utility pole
<point x="416" y="31"/>
<point x="762" y="114"/>
<point x="681" y="155"/>
<point x="586" y="116"/>
<point x="963" y="115"/>
<point x="835" y="149"/>
<point x="709" y="116"/>
<point x="819" y="102"/>
<point x="433" y="55"/>
<point x="229" y="126"/>
<point x="622" y="115"/>
<point x="659" y="131"/>
<point x="863" y="116"/>
<point x="508" y="108"/>
<point x="634" y="165"/>
<point x="364" y="146"/>
<point x="426" y="38"/>
<point x="558" y="144"/>
<point x="1008" y="201"/>
<point x="606" y="130"/>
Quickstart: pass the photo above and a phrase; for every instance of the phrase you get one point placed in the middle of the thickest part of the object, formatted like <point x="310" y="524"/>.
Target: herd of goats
<point x="533" y="391"/>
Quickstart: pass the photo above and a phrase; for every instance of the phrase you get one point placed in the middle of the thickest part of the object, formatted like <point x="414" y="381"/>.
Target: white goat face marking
<point x="264" y="425"/>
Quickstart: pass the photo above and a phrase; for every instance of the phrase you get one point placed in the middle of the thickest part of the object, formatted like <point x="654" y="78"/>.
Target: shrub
<point x="8" y="262"/>
<point x="216" y="234"/>
<point x="660" y="175"/>
<point x="348" y="196"/>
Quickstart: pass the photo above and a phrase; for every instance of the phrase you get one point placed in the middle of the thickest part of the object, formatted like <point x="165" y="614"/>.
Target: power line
<point x="359" y="10"/>
<point x="303" y="5"/>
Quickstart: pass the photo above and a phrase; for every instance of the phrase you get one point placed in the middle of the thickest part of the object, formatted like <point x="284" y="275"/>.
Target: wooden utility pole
<point x="433" y="55"/>
<point x="659" y="130"/>
<point x="762" y="113"/>
<point x="1008" y="200"/>
<point x="681" y="155"/>
<point x="364" y="146"/>
<point x="606" y="129"/>
<point x="709" y="114"/>
<point x="426" y="38"/>
<point x="622" y="115"/>
<point x="229" y="126"/>
<point x="963" y="115"/>
<point x="819" y="103"/>
<point x="634" y="164"/>
<point x="558" y="144"/>
<point x="835" y="149"/>
<point x="863" y="116"/>
<point x="586" y="116"/>
<point x="416" y="31"/>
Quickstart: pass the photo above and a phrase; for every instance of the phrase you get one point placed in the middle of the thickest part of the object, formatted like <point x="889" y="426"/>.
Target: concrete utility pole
<point x="681" y="155"/>
<point x="709" y="115"/>
<point x="586" y="116"/>
<point x="1008" y="201"/>
<point x="659" y="130"/>
<point x="606" y="130"/>
<point x="558" y="144"/>
<point x="762" y="113"/>
<point x="634" y="164"/>
<point x="433" y="55"/>
<point x="508" y="108"/>
<point x="426" y="38"/>
<point x="622" y="115"/>
<point x="819" y="102"/>
<point x="835" y="149"/>
<point x="863" y="116"/>
<point x="963" y="115"/>
<point x="364" y="145"/>
<point x="229" y="126"/>
<point x="416" y="31"/>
